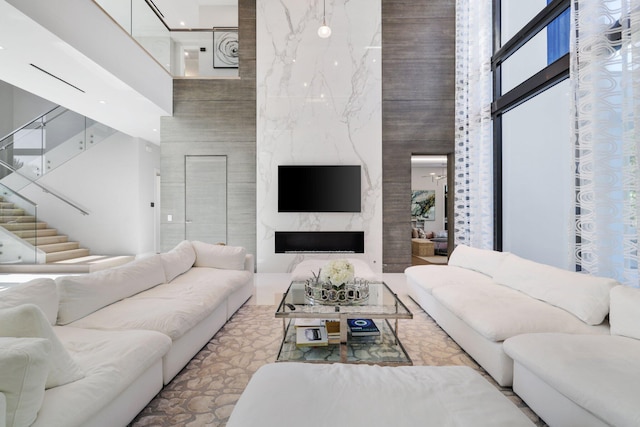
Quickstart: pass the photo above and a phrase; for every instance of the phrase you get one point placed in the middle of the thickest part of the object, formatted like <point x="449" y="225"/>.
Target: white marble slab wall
<point x="318" y="103"/>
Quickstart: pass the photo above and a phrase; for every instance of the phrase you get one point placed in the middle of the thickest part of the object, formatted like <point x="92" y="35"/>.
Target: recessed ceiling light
<point x="102" y="101"/>
<point x="155" y="130"/>
<point x="186" y="54"/>
<point x="1" y="47"/>
<point x="182" y="23"/>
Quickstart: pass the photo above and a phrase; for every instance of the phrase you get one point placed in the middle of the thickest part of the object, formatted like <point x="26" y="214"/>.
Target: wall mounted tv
<point x="314" y="188"/>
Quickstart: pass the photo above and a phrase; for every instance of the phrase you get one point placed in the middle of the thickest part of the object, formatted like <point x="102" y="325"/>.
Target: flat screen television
<point x="314" y="188"/>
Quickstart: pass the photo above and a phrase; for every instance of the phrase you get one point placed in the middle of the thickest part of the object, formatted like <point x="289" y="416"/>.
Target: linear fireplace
<point x="319" y="241"/>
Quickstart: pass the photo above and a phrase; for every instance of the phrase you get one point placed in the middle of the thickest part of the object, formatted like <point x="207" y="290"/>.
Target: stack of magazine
<point x="311" y="333"/>
<point x="363" y="328"/>
<point x="319" y="332"/>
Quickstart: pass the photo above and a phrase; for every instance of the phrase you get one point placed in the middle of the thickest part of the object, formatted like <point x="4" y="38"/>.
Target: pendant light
<point x="324" y="31"/>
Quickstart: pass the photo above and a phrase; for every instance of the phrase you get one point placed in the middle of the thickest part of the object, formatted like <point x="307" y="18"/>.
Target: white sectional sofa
<point x="114" y="337"/>
<point x="583" y="380"/>
<point x="482" y="297"/>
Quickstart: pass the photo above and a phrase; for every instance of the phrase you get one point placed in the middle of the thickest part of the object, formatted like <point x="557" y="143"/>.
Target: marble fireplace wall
<point x="318" y="103"/>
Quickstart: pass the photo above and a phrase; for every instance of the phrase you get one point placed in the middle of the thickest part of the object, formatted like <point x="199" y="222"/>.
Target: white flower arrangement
<point x="337" y="272"/>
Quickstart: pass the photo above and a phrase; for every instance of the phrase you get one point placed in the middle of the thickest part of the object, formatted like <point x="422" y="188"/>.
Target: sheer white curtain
<point x="473" y="217"/>
<point x="605" y="74"/>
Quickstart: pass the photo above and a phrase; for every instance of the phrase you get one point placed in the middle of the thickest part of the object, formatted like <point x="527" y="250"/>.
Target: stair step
<point x="59" y="247"/>
<point x="64" y="255"/>
<point x="6" y="205"/>
<point x="17" y="218"/>
<point x="41" y="232"/>
<point x="46" y="240"/>
<point x="11" y="211"/>
<point x="24" y="226"/>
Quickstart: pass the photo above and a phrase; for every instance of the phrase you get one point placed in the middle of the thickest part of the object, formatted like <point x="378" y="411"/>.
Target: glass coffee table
<point x="383" y="307"/>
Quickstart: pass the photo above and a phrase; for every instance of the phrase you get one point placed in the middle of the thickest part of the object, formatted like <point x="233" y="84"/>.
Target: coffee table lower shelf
<point x="385" y="349"/>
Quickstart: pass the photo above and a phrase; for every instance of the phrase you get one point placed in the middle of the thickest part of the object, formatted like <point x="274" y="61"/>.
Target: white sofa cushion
<point x="624" y="315"/>
<point x="24" y="366"/>
<point x="429" y="277"/>
<point x="84" y="294"/>
<point x="596" y="372"/>
<point x="28" y="321"/>
<point x="321" y="395"/>
<point x="178" y="260"/>
<point x="497" y="312"/>
<point x="219" y="256"/>
<point x="3" y="410"/>
<point x="41" y="292"/>
<point x="586" y="297"/>
<point x="305" y="269"/>
<point x="112" y="360"/>
<point x="481" y="260"/>
<point x="171" y="308"/>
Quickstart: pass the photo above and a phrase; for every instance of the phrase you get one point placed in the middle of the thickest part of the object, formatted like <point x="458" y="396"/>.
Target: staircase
<point x="56" y="247"/>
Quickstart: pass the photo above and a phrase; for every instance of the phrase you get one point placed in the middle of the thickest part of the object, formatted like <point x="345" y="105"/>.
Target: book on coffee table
<point x="314" y="336"/>
<point x="362" y="327"/>
<point x="306" y="322"/>
<point x="333" y="331"/>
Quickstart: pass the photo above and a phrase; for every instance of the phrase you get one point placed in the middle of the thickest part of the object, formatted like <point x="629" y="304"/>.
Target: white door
<point x="206" y="198"/>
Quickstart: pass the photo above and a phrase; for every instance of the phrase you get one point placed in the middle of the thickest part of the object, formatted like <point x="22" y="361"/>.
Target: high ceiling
<point x="40" y="61"/>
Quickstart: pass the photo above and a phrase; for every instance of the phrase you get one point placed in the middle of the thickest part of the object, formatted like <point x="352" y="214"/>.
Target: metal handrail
<point x="43" y="188"/>
<point x="29" y="123"/>
<point x="20" y="196"/>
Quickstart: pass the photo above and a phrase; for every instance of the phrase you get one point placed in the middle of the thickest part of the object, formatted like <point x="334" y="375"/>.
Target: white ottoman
<point x="334" y="395"/>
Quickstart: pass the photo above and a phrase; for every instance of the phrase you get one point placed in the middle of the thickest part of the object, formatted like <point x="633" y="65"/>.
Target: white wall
<point x="318" y="102"/>
<point x="6" y="109"/>
<point x="421" y="180"/>
<point x="114" y="181"/>
<point x="538" y="179"/>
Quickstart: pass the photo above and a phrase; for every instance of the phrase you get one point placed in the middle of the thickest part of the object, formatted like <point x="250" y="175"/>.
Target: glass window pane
<point x="544" y="48"/>
<point x="537" y="178"/>
<point x="515" y="14"/>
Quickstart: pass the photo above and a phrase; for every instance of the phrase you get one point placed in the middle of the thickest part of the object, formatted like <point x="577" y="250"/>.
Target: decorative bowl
<point x="351" y="293"/>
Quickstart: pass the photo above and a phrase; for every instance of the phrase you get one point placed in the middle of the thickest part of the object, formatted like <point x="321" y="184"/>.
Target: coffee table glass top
<point x="383" y="307"/>
<point x="381" y="304"/>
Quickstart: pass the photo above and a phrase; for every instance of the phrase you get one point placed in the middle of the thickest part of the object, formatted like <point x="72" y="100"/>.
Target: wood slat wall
<point x="418" y="77"/>
<point x="215" y="117"/>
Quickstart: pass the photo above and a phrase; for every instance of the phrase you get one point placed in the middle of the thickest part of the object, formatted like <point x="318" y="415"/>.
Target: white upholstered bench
<point x="295" y="394"/>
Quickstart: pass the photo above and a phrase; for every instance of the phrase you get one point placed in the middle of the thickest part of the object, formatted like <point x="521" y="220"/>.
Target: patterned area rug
<point x="206" y="390"/>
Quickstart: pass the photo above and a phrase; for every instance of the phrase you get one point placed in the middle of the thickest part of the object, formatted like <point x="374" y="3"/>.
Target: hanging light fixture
<point x="324" y="31"/>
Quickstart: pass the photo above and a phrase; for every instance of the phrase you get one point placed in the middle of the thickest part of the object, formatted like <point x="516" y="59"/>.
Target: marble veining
<point x="318" y="102"/>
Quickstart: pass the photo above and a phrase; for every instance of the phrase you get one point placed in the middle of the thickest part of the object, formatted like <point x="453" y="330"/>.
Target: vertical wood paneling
<point x="215" y="117"/>
<point x="418" y="72"/>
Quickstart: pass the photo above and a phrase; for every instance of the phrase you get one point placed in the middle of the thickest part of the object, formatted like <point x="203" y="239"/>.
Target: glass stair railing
<point x="183" y="52"/>
<point x="26" y="155"/>
<point x="45" y="143"/>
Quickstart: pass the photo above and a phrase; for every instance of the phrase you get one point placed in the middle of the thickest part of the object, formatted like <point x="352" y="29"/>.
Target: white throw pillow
<point x="28" y="321"/>
<point x="219" y="256"/>
<point x="178" y="260"/>
<point x="305" y="269"/>
<point x="624" y="315"/>
<point x="483" y="261"/>
<point x="24" y="367"/>
<point x="41" y="292"/>
<point x="584" y="296"/>
<point x="84" y="294"/>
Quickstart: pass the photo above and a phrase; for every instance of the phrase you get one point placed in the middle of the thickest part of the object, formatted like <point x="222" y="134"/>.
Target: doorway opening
<point x="429" y="209"/>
